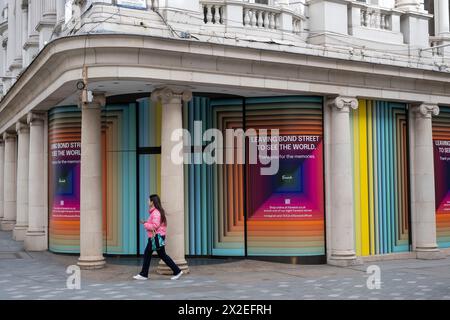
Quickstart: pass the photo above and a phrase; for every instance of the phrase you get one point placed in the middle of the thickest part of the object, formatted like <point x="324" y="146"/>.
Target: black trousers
<point x="162" y="255"/>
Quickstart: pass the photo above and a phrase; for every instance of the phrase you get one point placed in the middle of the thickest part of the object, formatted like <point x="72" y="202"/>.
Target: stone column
<point x="24" y="28"/>
<point x="23" y="146"/>
<point x="442" y="17"/>
<point x="11" y="39"/>
<point x="31" y="45"/>
<point x="424" y="213"/>
<point x="60" y="13"/>
<point x="47" y="22"/>
<point x="2" y="177"/>
<point x="407" y="5"/>
<point x="18" y="51"/>
<point x="342" y="227"/>
<point x="36" y="238"/>
<point x="91" y="226"/>
<point x="172" y="174"/>
<point x="9" y="195"/>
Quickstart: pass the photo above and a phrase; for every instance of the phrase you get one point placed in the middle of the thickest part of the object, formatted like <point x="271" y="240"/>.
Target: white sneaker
<point x="139" y="277"/>
<point x="177" y="276"/>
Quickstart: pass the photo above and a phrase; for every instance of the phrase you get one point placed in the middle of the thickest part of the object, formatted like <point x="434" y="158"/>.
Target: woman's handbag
<point x="157" y="241"/>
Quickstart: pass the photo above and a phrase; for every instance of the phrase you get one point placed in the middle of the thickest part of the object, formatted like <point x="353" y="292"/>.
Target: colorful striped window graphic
<point x="441" y="142"/>
<point x="119" y="179"/>
<point x="381" y="184"/>
<point x="285" y="211"/>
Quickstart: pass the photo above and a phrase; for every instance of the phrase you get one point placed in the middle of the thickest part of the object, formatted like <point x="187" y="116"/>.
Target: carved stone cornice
<point x="343" y="103"/>
<point x="166" y="94"/>
<point x="426" y="110"/>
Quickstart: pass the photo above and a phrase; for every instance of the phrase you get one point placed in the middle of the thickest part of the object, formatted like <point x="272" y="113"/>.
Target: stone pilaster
<point x="91" y="226"/>
<point x="23" y="146"/>
<point x="2" y="177"/>
<point x="36" y="238"/>
<point x="9" y="195"/>
<point x="423" y="188"/>
<point x="172" y="174"/>
<point x="442" y="17"/>
<point x="342" y="227"/>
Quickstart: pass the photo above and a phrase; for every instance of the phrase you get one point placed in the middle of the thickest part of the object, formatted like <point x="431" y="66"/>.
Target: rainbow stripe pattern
<point x="216" y="196"/>
<point x="119" y="179"/>
<point x="441" y="133"/>
<point x="149" y="164"/>
<point x="381" y="184"/>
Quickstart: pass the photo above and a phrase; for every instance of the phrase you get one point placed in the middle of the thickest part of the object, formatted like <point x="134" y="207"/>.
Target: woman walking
<point x="156" y="225"/>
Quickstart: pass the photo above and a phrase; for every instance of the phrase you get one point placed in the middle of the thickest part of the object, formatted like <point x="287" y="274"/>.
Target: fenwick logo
<point x="263" y="148"/>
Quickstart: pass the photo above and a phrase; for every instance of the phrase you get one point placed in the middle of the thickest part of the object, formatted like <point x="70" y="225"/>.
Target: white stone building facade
<point x="347" y="53"/>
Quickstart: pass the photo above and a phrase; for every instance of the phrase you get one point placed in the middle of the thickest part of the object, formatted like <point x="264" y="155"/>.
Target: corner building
<point x="359" y="91"/>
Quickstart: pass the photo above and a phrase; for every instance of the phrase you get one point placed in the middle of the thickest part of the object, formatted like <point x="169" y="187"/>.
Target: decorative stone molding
<point x="166" y="94"/>
<point x="426" y="110"/>
<point x="344" y="104"/>
<point x="413" y="5"/>
<point x="35" y="118"/>
<point x="8" y="136"/>
<point x="98" y="101"/>
<point x="22" y="127"/>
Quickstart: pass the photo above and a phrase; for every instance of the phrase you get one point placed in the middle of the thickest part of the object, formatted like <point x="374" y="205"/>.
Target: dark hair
<point x="157" y="203"/>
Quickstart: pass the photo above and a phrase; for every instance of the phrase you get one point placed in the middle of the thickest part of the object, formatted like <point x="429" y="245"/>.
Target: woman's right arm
<point x="153" y="222"/>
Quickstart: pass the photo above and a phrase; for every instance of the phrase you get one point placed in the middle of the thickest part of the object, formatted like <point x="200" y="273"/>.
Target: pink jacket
<point x="154" y="223"/>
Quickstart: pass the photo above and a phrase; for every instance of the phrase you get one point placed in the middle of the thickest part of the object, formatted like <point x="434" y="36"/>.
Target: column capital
<point x="98" y="100"/>
<point x="426" y="110"/>
<point x="34" y="118"/>
<point x="343" y="103"/>
<point x="167" y="93"/>
<point x="8" y="136"/>
<point x="22" y="127"/>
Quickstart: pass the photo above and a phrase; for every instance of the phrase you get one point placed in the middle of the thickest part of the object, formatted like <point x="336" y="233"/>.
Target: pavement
<point x="42" y="276"/>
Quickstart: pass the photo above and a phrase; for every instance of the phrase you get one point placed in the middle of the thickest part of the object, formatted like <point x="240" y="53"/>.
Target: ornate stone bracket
<point x="344" y="104"/>
<point x="426" y="110"/>
<point x="166" y="94"/>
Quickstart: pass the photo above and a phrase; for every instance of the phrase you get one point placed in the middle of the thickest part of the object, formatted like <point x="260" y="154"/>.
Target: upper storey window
<point x="261" y="1"/>
<point x="373" y="2"/>
<point x="133" y="4"/>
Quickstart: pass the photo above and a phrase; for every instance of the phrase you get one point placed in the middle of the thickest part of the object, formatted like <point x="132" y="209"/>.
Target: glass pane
<point x="441" y="141"/>
<point x="381" y="184"/>
<point x="119" y="179"/>
<point x="149" y="183"/>
<point x="149" y="123"/>
<point x="285" y="208"/>
<point x="214" y="202"/>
